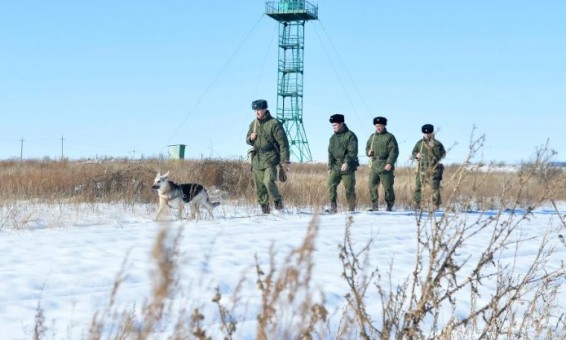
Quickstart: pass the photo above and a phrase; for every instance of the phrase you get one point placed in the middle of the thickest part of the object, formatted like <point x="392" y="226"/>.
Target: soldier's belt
<point x="266" y="150"/>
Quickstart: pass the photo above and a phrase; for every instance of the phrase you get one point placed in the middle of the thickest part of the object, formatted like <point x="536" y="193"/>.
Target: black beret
<point x="427" y="128"/>
<point x="337" y="118"/>
<point x="380" y="120"/>
<point x="259" y="104"/>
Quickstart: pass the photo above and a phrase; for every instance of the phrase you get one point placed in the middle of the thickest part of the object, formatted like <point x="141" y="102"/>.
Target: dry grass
<point x="523" y="304"/>
<point x="130" y="181"/>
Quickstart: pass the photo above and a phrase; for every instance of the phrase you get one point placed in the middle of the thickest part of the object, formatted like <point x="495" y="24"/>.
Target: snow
<point x="63" y="259"/>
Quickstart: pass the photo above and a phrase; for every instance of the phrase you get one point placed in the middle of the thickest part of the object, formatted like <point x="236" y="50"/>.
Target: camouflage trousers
<point x="432" y="183"/>
<point x="387" y="179"/>
<point x="349" y="179"/>
<point x="264" y="184"/>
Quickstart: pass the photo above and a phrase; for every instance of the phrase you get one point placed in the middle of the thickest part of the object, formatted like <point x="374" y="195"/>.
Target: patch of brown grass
<point x="130" y="182"/>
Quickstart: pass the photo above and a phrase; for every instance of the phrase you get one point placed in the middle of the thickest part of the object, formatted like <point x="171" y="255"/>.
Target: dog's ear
<point x="158" y="174"/>
<point x="166" y="174"/>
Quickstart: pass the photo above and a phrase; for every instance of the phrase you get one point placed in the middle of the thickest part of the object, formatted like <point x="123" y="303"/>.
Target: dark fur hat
<point x="260" y="104"/>
<point x="427" y="128"/>
<point x="337" y="118"/>
<point x="380" y="120"/>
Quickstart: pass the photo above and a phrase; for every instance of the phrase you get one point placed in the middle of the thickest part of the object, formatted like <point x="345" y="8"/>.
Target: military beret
<point x="259" y="104"/>
<point x="427" y="128"/>
<point x="380" y="120"/>
<point x="337" y="118"/>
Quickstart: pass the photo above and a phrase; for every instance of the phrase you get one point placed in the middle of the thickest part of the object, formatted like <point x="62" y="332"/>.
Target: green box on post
<point x="177" y="151"/>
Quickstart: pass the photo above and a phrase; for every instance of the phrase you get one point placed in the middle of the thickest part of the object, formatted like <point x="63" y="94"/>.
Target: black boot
<point x="374" y="206"/>
<point x="389" y="207"/>
<point x="333" y="208"/>
<point x="279" y="205"/>
<point x="265" y="208"/>
<point x="352" y="205"/>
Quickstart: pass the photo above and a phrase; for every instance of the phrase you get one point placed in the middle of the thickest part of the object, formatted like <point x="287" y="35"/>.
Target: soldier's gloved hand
<point x="253" y="136"/>
<point x="418" y="155"/>
<point x="344" y="167"/>
<point x="388" y="167"/>
<point x="370" y="153"/>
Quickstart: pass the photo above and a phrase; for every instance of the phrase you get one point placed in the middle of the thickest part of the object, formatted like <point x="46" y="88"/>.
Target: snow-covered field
<point x="64" y="259"/>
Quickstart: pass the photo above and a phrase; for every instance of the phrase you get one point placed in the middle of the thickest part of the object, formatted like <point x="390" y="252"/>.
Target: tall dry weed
<point x="290" y="308"/>
<point x="523" y="304"/>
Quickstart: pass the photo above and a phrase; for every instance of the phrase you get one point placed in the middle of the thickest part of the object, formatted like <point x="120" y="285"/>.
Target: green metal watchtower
<point x="292" y="15"/>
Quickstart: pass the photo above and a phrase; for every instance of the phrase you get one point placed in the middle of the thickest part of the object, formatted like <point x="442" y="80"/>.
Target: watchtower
<point x="292" y="15"/>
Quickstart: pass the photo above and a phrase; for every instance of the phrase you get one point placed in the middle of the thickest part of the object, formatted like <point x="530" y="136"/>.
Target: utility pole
<point x="22" y="149"/>
<point x="62" y="139"/>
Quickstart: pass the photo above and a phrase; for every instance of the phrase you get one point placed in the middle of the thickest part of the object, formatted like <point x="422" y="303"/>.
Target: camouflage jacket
<point x="271" y="147"/>
<point x="431" y="154"/>
<point x="385" y="149"/>
<point x="343" y="148"/>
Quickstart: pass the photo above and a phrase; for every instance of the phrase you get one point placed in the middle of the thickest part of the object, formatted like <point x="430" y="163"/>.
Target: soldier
<point x="342" y="162"/>
<point x="428" y="152"/>
<point x="382" y="150"/>
<point x="270" y="149"/>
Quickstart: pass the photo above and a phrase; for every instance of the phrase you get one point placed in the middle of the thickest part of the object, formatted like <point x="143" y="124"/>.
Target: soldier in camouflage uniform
<point x="382" y="150"/>
<point x="342" y="162"/>
<point x="270" y="149"/>
<point x="428" y="152"/>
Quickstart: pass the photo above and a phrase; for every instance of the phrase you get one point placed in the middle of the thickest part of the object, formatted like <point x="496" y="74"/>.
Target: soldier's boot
<point x="374" y="206"/>
<point x="417" y="205"/>
<point x="265" y="208"/>
<point x="389" y="207"/>
<point x="333" y="208"/>
<point x="351" y="206"/>
<point x="279" y="205"/>
<point x="436" y="204"/>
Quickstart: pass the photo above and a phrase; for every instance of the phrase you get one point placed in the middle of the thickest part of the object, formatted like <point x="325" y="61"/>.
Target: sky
<point x="129" y="78"/>
<point x="64" y="260"/>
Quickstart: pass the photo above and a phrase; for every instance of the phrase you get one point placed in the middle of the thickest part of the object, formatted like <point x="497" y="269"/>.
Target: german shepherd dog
<point x="172" y="195"/>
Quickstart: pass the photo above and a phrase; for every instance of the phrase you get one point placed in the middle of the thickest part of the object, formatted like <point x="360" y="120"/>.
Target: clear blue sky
<point x="128" y="78"/>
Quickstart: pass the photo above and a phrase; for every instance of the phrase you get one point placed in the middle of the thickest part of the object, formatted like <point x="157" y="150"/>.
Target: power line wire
<point x="346" y="71"/>
<point x="207" y="89"/>
<point x="265" y="59"/>
<point x="263" y="67"/>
